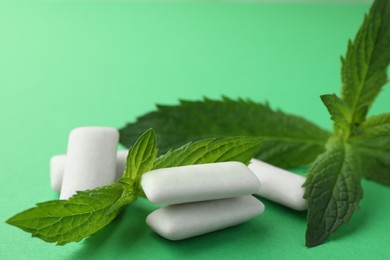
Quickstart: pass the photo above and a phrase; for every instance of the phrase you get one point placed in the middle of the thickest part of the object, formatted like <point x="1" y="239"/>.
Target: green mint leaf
<point x="289" y="140"/>
<point x="374" y="145"/>
<point x="364" y="69"/>
<point x="333" y="190"/>
<point x="140" y="160"/>
<point x="141" y="156"/>
<point x="240" y="149"/>
<point x="65" y="221"/>
<point x="340" y="114"/>
<point x="377" y="126"/>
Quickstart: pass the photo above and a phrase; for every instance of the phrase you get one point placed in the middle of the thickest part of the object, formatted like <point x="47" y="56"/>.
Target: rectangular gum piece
<point x="199" y="182"/>
<point x="91" y="159"/>
<point x="279" y="185"/>
<point x="183" y="221"/>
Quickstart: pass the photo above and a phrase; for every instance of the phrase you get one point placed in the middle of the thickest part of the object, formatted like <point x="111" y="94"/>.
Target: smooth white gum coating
<point x="57" y="168"/>
<point x="121" y="158"/>
<point x="279" y="185"/>
<point x="57" y="165"/>
<point x="193" y="219"/>
<point x="91" y="159"/>
<point x="199" y="182"/>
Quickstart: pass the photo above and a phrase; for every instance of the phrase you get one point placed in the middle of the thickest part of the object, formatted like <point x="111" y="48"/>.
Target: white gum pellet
<point x="57" y="167"/>
<point x="91" y="159"/>
<point x="199" y="182"/>
<point x="192" y="219"/>
<point x="279" y="185"/>
<point x="121" y="158"/>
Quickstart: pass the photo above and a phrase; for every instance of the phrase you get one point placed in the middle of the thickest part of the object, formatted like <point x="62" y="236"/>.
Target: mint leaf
<point x="289" y="140"/>
<point x="141" y="156"/>
<point x="340" y="112"/>
<point x="333" y="190"/>
<point x="364" y="69"/>
<point x="377" y="126"/>
<point x="65" y="221"/>
<point x="374" y="145"/>
<point x="240" y="149"/>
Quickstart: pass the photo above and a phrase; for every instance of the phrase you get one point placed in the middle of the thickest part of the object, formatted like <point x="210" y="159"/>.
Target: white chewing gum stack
<point x="192" y="219"/>
<point x="199" y="182"/>
<point x="279" y="185"/>
<point x="91" y="159"/>
<point x="201" y="198"/>
<point x="57" y="168"/>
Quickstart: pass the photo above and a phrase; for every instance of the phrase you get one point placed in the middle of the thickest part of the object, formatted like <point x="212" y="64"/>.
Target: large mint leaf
<point x="288" y="140"/>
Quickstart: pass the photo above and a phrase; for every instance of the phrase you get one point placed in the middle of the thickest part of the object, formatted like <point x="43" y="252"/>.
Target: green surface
<point x="76" y="64"/>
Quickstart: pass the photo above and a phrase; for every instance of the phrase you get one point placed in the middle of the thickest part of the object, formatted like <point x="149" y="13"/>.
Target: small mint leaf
<point x="340" y="114"/>
<point x="364" y="68"/>
<point x="141" y="156"/>
<point x="65" y="221"/>
<point x="333" y="191"/>
<point x="374" y="146"/>
<point x="240" y="149"/>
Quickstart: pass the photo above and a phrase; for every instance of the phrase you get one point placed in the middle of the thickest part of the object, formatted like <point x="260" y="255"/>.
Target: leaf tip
<point x="10" y="221"/>
<point x="150" y="131"/>
<point x="314" y="239"/>
<point x="13" y="221"/>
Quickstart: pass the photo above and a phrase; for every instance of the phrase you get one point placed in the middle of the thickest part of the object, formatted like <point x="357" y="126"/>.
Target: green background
<point x="70" y="64"/>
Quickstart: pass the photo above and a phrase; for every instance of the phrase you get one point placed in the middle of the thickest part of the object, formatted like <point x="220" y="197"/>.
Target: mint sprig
<point x="358" y="147"/>
<point x="65" y="221"/>
<point x="364" y="145"/>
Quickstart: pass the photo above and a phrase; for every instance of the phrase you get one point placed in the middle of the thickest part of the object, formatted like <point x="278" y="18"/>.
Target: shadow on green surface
<point x="252" y="234"/>
<point x="299" y="217"/>
<point x="117" y="237"/>
<point x="129" y="232"/>
<point x="195" y="247"/>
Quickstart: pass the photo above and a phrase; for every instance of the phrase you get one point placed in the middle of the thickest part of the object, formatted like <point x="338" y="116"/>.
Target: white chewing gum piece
<point x="193" y="219"/>
<point x="91" y="159"/>
<point x="57" y="168"/>
<point x="121" y="158"/>
<point x="199" y="182"/>
<point x="279" y="185"/>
